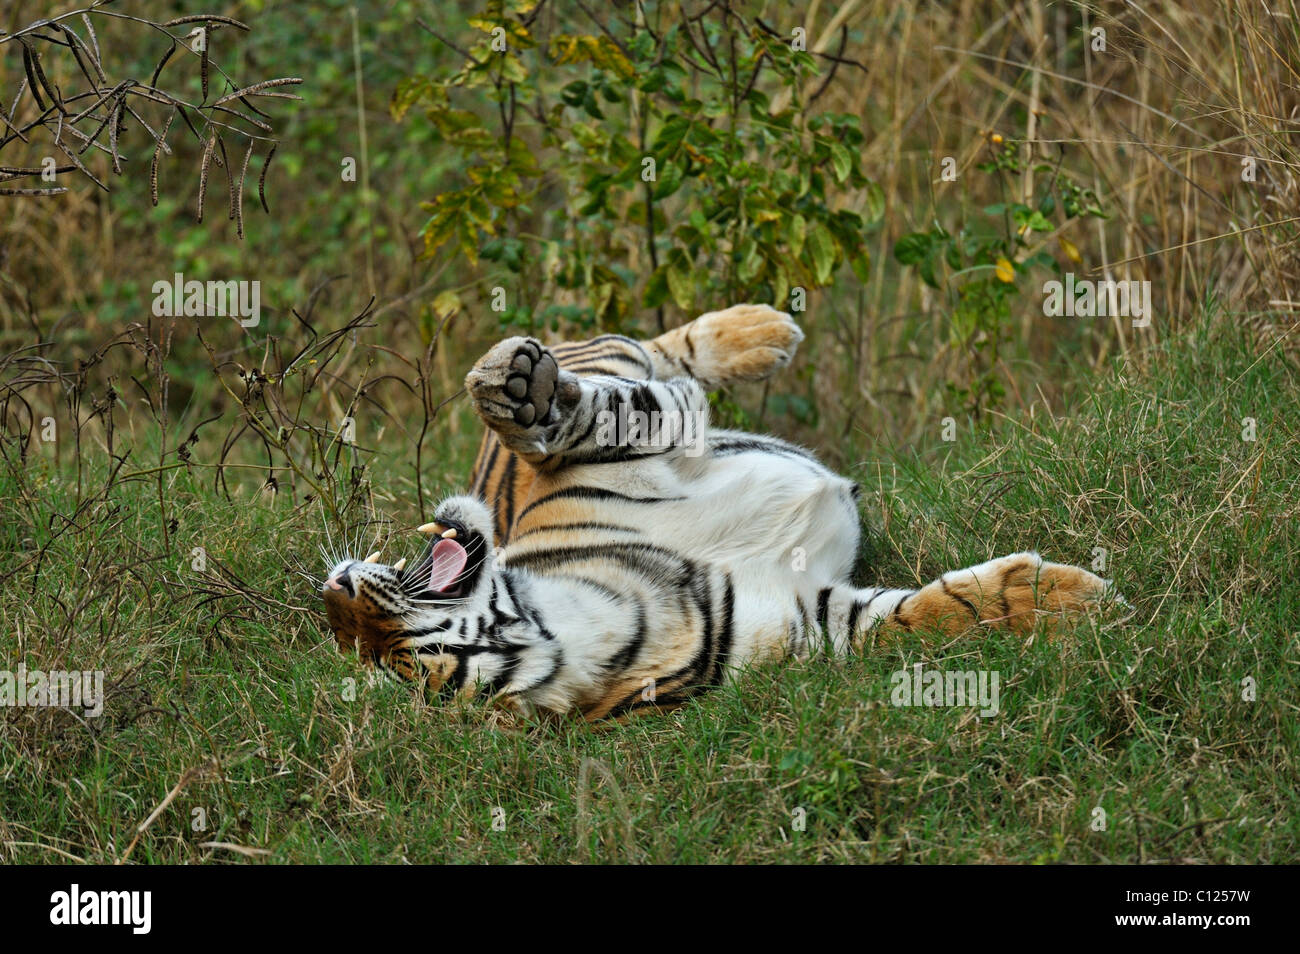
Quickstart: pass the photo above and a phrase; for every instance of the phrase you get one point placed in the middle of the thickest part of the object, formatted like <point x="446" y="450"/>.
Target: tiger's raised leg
<point x="718" y="349"/>
<point x="551" y="417"/>
<point x="722" y="348"/>
<point x="740" y="343"/>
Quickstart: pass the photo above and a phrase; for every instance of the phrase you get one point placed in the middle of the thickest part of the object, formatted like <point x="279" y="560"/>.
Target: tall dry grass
<point x="1158" y="123"/>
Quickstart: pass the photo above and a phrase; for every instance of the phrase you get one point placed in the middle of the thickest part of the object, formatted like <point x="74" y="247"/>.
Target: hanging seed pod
<point x="94" y="41"/>
<point x="50" y="91"/>
<point x="153" y="165"/>
<point x="261" y="180"/>
<point x="203" y="64"/>
<point x="157" y="70"/>
<point x="258" y="87"/>
<point x="31" y="76"/>
<point x="114" y="126"/>
<point x="203" y="170"/>
<point x="239" y="198"/>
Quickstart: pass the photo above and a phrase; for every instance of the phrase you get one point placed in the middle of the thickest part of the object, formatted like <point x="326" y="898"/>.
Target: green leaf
<point x="875" y="198"/>
<point x="468" y="241"/>
<point x="513" y="69"/>
<point x="670" y="179"/>
<point x="681" y="287"/>
<point x="574" y="93"/>
<point x="671" y="135"/>
<point x="780" y="285"/>
<point x="822" y="247"/>
<point x="913" y="248"/>
<point x="797" y="233"/>
<point x="656" y="289"/>
<point x="861" y="265"/>
<point x="751" y="261"/>
<point x="926" y="271"/>
<point x="841" y="161"/>
<point x="409" y="92"/>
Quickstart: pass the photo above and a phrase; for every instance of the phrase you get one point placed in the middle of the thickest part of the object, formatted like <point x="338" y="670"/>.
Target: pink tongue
<point x="449" y="559"/>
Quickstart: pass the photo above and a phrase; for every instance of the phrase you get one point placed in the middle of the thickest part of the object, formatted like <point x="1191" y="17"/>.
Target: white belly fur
<point x="783" y="526"/>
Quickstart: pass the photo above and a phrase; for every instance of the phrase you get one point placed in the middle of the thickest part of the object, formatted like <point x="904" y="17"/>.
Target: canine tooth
<point x="449" y="534"/>
<point x="427" y="528"/>
<point x="373" y="558"/>
<point x="400" y="564"/>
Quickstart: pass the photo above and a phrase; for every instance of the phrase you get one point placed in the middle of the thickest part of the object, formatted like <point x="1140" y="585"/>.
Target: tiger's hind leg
<point x="1013" y="592"/>
<point x="551" y="417"/>
<point x="718" y="349"/>
<point x="721" y="348"/>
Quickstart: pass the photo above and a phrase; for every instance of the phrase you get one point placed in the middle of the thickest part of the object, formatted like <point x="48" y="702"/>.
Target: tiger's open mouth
<point x="450" y="565"/>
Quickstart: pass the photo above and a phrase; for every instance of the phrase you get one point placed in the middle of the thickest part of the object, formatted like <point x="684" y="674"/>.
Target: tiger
<point x="616" y="555"/>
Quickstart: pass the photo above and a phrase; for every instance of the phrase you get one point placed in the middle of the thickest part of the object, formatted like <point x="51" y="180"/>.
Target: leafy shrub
<point x="661" y="161"/>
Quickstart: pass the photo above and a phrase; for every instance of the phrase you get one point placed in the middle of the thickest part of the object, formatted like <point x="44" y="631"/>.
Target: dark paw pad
<point x="531" y="383"/>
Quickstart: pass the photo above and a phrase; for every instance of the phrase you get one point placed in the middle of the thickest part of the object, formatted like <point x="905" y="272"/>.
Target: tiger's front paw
<point x="518" y="385"/>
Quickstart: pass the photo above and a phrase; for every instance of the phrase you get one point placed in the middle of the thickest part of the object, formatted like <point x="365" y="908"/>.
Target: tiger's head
<point x="385" y="612"/>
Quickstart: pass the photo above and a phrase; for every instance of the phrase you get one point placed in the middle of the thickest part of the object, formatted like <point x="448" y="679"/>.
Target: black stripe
<point x="457" y="678"/>
<point x="619" y="454"/>
<point x="591" y="426"/>
<point x="662" y="566"/>
<point x="689" y="675"/>
<point x="635" y="354"/>
<point x="854" y="611"/>
<point x="898" y="610"/>
<point x="499" y="616"/>
<point x="522" y="606"/>
<point x="739" y="445"/>
<point x="577" y="525"/>
<point x="596" y="366"/>
<point x="557" y="664"/>
<point x="508" y="479"/>
<point x="502" y="678"/>
<point x="823" y="618"/>
<point x="724" y="638"/>
<point x="480" y="463"/>
<point x="578" y="346"/>
<point x="644" y="401"/>
<point x="628" y="654"/>
<point x="480" y="482"/>
<point x="591" y="493"/>
<point x="960" y="599"/>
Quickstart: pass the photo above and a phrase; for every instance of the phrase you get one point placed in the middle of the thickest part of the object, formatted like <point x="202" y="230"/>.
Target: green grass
<point x="235" y="689"/>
